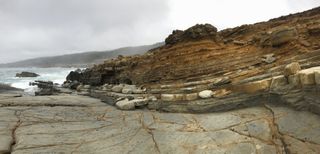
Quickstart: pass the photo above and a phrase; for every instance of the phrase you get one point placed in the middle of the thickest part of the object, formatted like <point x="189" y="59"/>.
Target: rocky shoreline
<point x="79" y="124"/>
<point x="250" y="89"/>
<point x="298" y="88"/>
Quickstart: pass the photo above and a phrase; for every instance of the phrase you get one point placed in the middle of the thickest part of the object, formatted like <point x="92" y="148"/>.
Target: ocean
<point x="57" y="75"/>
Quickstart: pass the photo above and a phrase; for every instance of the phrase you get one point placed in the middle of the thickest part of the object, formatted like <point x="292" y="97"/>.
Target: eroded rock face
<point x="198" y="31"/>
<point x="78" y="124"/>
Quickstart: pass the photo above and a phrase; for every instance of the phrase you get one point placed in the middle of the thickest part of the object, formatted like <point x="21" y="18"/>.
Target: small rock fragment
<point x="125" y="104"/>
<point x="205" y="94"/>
<point x="269" y="58"/>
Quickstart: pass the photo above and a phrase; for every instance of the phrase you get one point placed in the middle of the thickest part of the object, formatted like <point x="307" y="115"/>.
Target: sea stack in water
<point x="27" y="74"/>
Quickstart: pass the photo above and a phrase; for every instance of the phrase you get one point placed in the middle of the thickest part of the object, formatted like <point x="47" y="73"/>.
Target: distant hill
<point x="81" y="59"/>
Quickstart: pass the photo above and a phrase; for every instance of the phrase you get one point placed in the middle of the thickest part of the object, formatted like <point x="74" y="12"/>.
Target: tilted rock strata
<point x="201" y="53"/>
<point x="235" y="67"/>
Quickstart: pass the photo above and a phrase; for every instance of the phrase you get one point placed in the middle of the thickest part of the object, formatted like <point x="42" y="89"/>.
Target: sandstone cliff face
<point x="201" y="52"/>
<point x="239" y="65"/>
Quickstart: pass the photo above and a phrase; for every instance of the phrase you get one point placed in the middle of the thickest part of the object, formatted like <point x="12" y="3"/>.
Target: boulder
<point x="44" y="87"/>
<point x="74" y="76"/>
<point x="117" y="88"/>
<point x="132" y="89"/>
<point x="205" y="94"/>
<point x="125" y="104"/>
<point x="27" y="74"/>
<point x="128" y="89"/>
<point x="291" y="69"/>
<point x="282" y="36"/>
<point x="140" y="101"/>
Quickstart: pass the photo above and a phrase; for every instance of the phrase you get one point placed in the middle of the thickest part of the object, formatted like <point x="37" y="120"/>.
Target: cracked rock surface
<point x="79" y="124"/>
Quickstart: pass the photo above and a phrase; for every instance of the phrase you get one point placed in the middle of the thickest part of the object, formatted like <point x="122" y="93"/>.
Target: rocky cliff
<point x="232" y="68"/>
<point x="258" y="75"/>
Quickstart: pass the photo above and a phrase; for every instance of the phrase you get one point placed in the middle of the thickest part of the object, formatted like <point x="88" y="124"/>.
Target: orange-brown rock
<point x="243" y="61"/>
<point x="199" y="53"/>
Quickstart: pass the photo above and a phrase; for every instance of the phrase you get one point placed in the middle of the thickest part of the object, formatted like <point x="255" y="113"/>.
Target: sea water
<point x="56" y="75"/>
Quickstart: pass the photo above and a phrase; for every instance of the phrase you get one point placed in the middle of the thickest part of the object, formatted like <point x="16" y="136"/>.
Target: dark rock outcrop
<point x="27" y="74"/>
<point x="74" y="75"/>
<point x="199" y="31"/>
<point x="45" y="88"/>
<point x="7" y="88"/>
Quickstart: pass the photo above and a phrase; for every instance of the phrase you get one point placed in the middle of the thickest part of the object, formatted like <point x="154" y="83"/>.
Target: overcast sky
<point x="35" y="28"/>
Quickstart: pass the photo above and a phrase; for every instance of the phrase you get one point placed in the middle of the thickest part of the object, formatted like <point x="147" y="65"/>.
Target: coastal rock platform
<point x="79" y="124"/>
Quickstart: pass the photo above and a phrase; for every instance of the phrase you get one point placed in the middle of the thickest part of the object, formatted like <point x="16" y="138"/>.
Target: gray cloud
<point x="36" y="28"/>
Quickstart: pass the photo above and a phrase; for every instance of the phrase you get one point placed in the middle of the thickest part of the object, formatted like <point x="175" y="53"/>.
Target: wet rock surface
<point x="27" y="74"/>
<point x="78" y="124"/>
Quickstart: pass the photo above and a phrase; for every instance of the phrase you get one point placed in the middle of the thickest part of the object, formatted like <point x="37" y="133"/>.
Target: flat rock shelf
<point x="79" y="124"/>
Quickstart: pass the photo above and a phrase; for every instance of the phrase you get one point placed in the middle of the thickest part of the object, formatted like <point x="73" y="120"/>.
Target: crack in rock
<point x="149" y="131"/>
<point x="14" y="129"/>
<point x="277" y="133"/>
